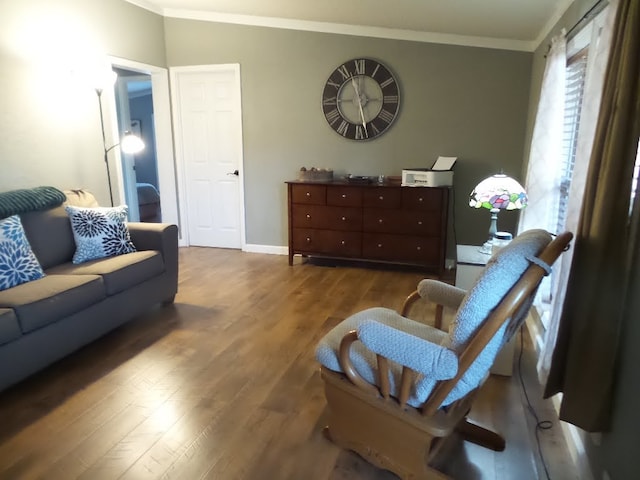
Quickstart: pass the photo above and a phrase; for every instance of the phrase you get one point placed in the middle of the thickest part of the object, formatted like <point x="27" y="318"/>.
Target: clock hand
<point x="355" y="88"/>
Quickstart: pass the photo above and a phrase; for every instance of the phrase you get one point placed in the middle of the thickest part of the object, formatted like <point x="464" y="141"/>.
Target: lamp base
<point x="487" y="247"/>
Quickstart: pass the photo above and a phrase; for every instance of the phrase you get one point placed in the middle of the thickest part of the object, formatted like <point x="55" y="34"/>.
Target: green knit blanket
<point x="29" y="200"/>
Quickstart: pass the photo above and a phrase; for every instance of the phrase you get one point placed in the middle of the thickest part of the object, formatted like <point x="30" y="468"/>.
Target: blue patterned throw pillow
<point x="99" y="232"/>
<point x="18" y="264"/>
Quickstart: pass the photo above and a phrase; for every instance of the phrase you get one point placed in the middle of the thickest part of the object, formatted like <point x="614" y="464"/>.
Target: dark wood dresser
<point x="385" y="223"/>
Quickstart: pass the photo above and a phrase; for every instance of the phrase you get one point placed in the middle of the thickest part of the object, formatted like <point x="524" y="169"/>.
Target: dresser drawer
<point x="408" y="222"/>
<point x="328" y="242"/>
<point x="331" y="218"/>
<point x="379" y="222"/>
<point x="401" y="248"/>
<point x="378" y="197"/>
<point x="309" y="194"/>
<point x="344" y="196"/>
<point x="422" y="198"/>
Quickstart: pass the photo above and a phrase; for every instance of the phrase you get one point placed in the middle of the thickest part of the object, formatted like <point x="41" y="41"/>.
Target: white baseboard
<point x="270" y="249"/>
<point x="575" y="439"/>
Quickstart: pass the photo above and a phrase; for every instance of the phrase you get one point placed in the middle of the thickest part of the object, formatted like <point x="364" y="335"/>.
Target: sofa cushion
<point x="119" y="273"/>
<point x="51" y="298"/>
<point x="18" y="264"/>
<point x="9" y="328"/>
<point x="50" y="236"/>
<point x="99" y="232"/>
<point x="80" y="198"/>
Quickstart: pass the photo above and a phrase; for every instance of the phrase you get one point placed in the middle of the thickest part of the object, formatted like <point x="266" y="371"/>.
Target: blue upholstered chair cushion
<point x="18" y="264"/>
<point x="431" y="352"/>
<point x="425" y="343"/>
<point x="99" y="232"/>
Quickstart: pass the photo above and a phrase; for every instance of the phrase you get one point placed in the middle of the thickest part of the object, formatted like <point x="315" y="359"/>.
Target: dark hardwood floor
<point x="223" y="385"/>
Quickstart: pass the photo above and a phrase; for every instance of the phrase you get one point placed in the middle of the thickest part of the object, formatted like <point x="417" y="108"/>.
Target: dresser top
<point x="345" y="183"/>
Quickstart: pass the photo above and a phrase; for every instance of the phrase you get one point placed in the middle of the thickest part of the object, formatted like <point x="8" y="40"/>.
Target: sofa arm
<point x="157" y="236"/>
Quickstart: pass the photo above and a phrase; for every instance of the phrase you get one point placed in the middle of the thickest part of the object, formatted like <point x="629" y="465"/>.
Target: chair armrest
<point x="428" y="358"/>
<point x="157" y="236"/>
<point x="441" y="293"/>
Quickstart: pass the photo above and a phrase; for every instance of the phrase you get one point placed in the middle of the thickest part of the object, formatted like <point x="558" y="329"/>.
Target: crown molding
<point x="147" y="6"/>
<point x="354" y="30"/>
<point x="345" y="29"/>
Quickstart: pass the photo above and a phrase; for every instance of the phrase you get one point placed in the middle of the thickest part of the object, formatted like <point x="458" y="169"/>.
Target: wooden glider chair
<point x="396" y="388"/>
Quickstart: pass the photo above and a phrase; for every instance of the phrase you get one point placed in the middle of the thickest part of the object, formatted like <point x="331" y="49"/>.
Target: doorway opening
<point x="134" y="105"/>
<point x="154" y="123"/>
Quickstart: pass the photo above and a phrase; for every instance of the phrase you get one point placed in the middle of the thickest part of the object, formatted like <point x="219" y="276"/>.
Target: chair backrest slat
<point x="406" y="383"/>
<point x="383" y="376"/>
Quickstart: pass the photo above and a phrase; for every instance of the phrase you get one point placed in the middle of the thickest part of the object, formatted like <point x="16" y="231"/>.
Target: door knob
<point x="235" y="172"/>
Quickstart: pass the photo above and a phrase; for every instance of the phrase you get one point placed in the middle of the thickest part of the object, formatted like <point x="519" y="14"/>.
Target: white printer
<point x="439" y="175"/>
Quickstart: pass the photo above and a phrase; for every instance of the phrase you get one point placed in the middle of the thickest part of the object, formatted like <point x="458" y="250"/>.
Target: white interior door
<point x="208" y="127"/>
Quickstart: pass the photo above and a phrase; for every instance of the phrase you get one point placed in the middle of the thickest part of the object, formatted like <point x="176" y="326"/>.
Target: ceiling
<point x="507" y="24"/>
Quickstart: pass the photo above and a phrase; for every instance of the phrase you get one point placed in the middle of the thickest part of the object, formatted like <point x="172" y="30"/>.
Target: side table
<point x="469" y="266"/>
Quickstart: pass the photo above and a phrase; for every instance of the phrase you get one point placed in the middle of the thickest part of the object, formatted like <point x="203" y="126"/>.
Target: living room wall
<point x="456" y="101"/>
<point x="49" y="120"/>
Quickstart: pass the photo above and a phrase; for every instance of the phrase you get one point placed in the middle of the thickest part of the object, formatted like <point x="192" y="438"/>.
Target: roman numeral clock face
<point x="361" y="98"/>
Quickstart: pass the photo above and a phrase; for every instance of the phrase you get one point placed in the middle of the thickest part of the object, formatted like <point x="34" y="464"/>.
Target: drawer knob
<point x="420" y="199"/>
<point x="308" y="216"/>
<point x="308" y="240"/>
<point x="343" y="242"/>
<point x="418" y="248"/>
<point x="379" y="245"/>
<point x="308" y="194"/>
<point x="381" y="197"/>
<point x="344" y="195"/>
<point x="419" y="222"/>
<point x="379" y="220"/>
<point x="344" y="218"/>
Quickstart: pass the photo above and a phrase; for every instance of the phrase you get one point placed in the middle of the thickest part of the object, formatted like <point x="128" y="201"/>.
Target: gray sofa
<point x="46" y="319"/>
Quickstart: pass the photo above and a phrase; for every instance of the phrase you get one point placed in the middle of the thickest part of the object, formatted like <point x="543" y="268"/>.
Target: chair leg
<point x="480" y="435"/>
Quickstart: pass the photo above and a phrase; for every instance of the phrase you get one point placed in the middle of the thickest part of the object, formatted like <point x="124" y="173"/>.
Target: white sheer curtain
<point x="542" y="183"/>
<point x="598" y="56"/>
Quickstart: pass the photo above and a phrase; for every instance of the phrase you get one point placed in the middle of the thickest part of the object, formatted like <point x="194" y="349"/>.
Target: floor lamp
<point x="495" y="193"/>
<point x="129" y="143"/>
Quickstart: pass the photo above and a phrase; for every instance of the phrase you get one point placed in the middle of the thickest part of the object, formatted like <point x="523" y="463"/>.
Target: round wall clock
<point x="360" y="99"/>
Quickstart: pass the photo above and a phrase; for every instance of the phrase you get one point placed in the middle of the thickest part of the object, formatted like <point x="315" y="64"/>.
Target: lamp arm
<point x="107" y="150"/>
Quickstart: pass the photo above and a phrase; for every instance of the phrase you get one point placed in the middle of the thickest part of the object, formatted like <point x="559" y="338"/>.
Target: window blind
<point x="576" y="73"/>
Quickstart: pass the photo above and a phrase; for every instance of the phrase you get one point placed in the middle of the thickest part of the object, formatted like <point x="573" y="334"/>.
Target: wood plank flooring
<point x="223" y="385"/>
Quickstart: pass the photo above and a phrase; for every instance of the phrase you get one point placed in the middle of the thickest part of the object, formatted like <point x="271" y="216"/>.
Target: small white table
<point x="469" y="266"/>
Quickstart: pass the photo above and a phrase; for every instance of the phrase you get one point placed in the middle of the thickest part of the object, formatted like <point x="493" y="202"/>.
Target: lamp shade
<point x="499" y="192"/>
<point x="131" y="143"/>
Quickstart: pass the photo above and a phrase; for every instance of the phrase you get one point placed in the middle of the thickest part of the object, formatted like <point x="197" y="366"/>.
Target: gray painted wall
<point x="49" y="120"/>
<point x="459" y="101"/>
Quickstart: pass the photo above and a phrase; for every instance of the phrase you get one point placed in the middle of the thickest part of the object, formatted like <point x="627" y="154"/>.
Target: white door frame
<point x="164" y="136"/>
<point x="173" y="72"/>
<point x="129" y="173"/>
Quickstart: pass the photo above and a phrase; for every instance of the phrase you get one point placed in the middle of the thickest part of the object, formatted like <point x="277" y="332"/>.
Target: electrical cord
<point x="540" y="424"/>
